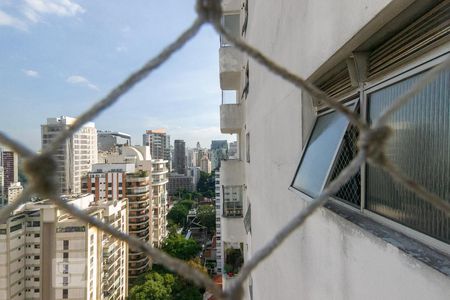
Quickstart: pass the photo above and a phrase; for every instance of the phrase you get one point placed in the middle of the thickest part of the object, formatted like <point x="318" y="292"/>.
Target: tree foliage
<point x="179" y="247"/>
<point x="206" y="184"/>
<point x="156" y="286"/>
<point x="206" y="215"/>
<point x="177" y="215"/>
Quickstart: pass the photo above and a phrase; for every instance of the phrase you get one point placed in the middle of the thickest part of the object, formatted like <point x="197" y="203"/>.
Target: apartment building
<point x="374" y="239"/>
<point x="14" y="191"/>
<point x="47" y="254"/>
<point x="160" y="181"/>
<point x="157" y="171"/>
<point x="2" y="183"/>
<point x="159" y="142"/>
<point x="179" y="182"/>
<point x="121" y="181"/>
<point x="75" y="156"/>
<point x="10" y="163"/>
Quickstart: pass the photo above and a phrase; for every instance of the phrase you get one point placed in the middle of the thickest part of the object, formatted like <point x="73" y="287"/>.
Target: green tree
<point x="177" y="246"/>
<point x="206" y="215"/>
<point x="189" y="204"/>
<point x="206" y="184"/>
<point x="178" y="215"/>
<point x="155" y="287"/>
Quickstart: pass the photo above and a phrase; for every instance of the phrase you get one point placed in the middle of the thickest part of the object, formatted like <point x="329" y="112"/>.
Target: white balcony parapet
<point x="232" y="172"/>
<point x="231" y="118"/>
<point x="230" y="68"/>
<point x="231" y="5"/>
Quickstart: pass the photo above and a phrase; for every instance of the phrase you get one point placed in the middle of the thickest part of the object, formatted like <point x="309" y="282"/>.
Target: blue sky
<point x="60" y="56"/>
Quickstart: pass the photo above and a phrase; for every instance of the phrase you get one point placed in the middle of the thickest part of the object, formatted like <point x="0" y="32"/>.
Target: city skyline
<point x="53" y="69"/>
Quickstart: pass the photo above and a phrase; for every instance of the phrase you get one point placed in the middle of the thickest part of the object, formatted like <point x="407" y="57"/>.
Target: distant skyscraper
<point x="233" y="150"/>
<point x="205" y="165"/>
<point x="75" y="156"/>
<point x="219" y="152"/>
<point x="159" y="142"/>
<point x="179" y="157"/>
<point x="10" y="163"/>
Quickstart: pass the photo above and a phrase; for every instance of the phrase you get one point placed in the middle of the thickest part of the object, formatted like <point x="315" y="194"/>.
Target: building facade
<point x="14" y="191"/>
<point x="10" y="163"/>
<point x="109" y="140"/>
<point x="157" y="170"/>
<point x="159" y="142"/>
<point x="48" y="254"/>
<point x="179" y="157"/>
<point x="205" y="165"/>
<point x="365" y="243"/>
<point x="218" y="152"/>
<point x="179" y="182"/>
<point x="75" y="156"/>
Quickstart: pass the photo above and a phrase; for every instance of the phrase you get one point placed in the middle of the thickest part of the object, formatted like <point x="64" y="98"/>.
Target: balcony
<point x="231" y="118"/>
<point x="231" y="5"/>
<point x="230" y="60"/>
<point x="232" y="172"/>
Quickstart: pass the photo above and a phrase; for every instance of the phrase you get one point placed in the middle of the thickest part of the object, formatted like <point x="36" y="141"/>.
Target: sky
<point x="58" y="57"/>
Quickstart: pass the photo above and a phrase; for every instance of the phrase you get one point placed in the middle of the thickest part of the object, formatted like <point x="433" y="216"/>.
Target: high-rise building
<point x="14" y="191"/>
<point x="179" y="157"/>
<point x="374" y="238"/>
<point x="157" y="169"/>
<point x="10" y="163"/>
<point x="233" y="150"/>
<point x="194" y="173"/>
<point x="46" y="253"/>
<point x="159" y="142"/>
<point x="179" y="182"/>
<point x="109" y="140"/>
<point x="75" y="156"/>
<point x="205" y="165"/>
<point x="2" y="183"/>
<point x="219" y="152"/>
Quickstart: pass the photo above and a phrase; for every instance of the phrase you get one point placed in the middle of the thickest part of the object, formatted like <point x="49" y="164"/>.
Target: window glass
<point x="319" y="153"/>
<point x="231" y="24"/>
<point x="420" y="146"/>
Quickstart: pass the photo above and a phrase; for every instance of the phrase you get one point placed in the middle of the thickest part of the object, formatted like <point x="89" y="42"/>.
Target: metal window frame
<point x="419" y="65"/>
<point x="351" y="100"/>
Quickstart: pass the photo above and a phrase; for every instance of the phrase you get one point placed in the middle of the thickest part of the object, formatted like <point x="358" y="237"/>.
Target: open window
<point x="327" y="144"/>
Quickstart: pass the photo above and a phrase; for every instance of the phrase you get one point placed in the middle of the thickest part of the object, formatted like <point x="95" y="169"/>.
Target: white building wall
<point x="328" y="258"/>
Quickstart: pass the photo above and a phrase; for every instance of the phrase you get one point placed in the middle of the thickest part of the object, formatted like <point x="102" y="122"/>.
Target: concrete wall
<point x="329" y="258"/>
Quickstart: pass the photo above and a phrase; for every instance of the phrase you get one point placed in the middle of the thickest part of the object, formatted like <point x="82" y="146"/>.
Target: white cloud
<point x="26" y="12"/>
<point x="60" y="8"/>
<point x="34" y="9"/>
<point x="82" y="81"/>
<point x="31" y="73"/>
<point x="121" y="49"/>
<point x="7" y="20"/>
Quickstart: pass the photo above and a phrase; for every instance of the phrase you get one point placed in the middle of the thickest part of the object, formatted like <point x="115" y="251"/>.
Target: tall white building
<point x="47" y="254"/>
<point x="75" y="156"/>
<point x="373" y="239"/>
<point x="14" y="191"/>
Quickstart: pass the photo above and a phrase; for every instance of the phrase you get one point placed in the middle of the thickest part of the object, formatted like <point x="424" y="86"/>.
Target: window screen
<point x="320" y="152"/>
<point x="420" y="146"/>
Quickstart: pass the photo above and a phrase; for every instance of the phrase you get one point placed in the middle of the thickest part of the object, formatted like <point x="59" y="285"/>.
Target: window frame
<point x="348" y="101"/>
<point x="361" y="94"/>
